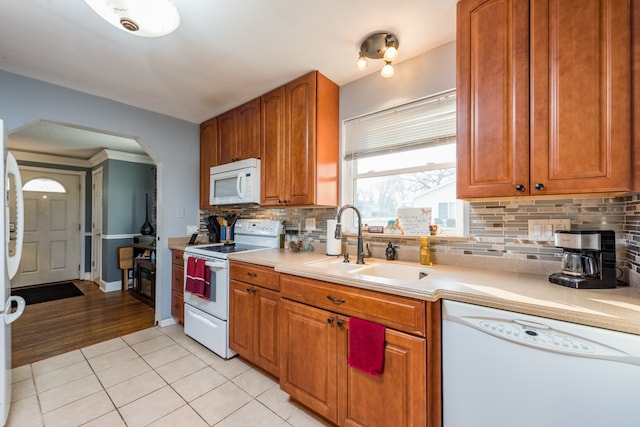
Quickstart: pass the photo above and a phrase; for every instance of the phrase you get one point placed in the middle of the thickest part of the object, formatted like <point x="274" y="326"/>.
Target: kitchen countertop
<point x="616" y="309"/>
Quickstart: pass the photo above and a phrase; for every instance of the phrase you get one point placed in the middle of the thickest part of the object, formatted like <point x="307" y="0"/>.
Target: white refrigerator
<point x="10" y="253"/>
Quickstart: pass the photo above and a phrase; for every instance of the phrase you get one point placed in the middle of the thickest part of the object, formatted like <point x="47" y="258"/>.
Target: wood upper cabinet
<point x="239" y="133"/>
<point x="300" y="143"/>
<point x="272" y="165"/>
<point x="314" y="356"/>
<point x="208" y="157"/>
<point x="253" y="315"/>
<point x="544" y="98"/>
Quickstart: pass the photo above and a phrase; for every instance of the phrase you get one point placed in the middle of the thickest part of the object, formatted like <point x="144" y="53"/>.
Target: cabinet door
<point x="208" y="157"/>
<point x="398" y="397"/>
<point x="493" y="98"/>
<point x="228" y="137"/>
<point x="308" y="365"/>
<point x="177" y="306"/>
<point x="581" y="95"/>
<point x="300" y="155"/>
<point x="265" y="344"/>
<point x="273" y="148"/>
<point x="248" y="138"/>
<point x="241" y="318"/>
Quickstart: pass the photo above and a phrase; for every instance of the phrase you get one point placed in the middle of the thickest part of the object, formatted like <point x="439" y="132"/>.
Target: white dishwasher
<point x="504" y="369"/>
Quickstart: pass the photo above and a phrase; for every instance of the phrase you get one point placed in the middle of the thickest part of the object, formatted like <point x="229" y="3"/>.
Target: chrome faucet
<point x="338" y="234"/>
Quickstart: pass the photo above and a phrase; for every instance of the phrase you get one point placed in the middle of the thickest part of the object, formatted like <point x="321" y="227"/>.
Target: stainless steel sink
<point x="373" y="269"/>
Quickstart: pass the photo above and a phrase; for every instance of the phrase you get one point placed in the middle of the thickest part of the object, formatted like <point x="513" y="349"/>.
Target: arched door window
<point x="44" y="185"/>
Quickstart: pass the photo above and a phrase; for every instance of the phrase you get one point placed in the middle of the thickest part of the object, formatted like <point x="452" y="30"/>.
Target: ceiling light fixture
<point x="379" y="46"/>
<point x="145" y="18"/>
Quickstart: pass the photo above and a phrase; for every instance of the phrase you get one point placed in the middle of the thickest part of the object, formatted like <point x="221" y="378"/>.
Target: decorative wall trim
<point x="117" y="236"/>
<point x="107" y="154"/>
<point x="104" y="155"/>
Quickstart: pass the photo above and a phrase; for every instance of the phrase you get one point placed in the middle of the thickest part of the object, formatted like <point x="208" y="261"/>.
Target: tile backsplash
<point x="497" y="229"/>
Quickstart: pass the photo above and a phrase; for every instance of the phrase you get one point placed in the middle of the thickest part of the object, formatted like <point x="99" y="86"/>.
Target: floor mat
<point x="37" y="294"/>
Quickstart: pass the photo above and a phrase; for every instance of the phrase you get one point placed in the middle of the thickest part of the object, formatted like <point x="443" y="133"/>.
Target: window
<point x="404" y="157"/>
<point x="44" y="185"/>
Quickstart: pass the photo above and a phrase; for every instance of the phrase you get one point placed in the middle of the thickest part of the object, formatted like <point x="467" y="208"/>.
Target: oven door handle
<point x="215" y="265"/>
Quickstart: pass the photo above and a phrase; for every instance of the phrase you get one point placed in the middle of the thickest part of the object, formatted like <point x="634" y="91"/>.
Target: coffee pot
<point x="588" y="260"/>
<point x="579" y="264"/>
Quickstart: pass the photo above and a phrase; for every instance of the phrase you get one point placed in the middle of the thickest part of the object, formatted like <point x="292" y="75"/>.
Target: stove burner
<point x="228" y="249"/>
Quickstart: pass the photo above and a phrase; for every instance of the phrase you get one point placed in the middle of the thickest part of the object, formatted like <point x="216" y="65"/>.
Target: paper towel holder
<point x="334" y="246"/>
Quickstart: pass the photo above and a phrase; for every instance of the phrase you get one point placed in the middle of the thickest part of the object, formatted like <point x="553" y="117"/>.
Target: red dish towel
<point x="197" y="281"/>
<point x="366" y="346"/>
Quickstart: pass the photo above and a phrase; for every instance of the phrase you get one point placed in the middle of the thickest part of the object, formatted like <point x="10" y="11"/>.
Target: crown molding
<point x="107" y="154"/>
<point x="102" y="156"/>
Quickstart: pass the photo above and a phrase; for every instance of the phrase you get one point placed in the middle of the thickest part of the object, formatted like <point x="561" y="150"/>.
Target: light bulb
<point x="390" y="54"/>
<point x="361" y="64"/>
<point x="387" y="70"/>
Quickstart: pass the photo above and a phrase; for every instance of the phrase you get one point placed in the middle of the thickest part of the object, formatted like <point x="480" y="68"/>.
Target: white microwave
<point x="236" y="183"/>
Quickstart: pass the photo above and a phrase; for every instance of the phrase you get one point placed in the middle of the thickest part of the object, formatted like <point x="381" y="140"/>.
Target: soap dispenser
<point x="425" y="253"/>
<point x="390" y="252"/>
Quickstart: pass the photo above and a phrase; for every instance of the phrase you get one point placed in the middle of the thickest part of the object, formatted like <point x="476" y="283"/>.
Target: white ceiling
<point x="223" y="54"/>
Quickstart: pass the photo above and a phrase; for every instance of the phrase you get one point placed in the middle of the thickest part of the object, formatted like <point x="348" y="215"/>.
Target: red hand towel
<point x="366" y="346"/>
<point x="197" y="281"/>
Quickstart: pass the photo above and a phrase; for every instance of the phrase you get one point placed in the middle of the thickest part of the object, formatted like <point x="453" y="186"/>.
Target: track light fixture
<point x="379" y="46"/>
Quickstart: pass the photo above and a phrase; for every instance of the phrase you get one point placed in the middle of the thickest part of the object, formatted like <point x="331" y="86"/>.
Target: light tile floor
<point x="156" y="377"/>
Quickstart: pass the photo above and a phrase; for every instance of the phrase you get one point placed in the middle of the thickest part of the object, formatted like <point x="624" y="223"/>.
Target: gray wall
<point x="172" y="143"/>
<point x="427" y="74"/>
<point x="124" y="185"/>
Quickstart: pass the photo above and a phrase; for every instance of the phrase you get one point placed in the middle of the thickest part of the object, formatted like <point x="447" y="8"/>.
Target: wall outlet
<point x="310" y="224"/>
<point x="192" y="229"/>
<point x="543" y="229"/>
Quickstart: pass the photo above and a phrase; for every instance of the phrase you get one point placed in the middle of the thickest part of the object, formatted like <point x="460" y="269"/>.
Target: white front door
<point x="96" y="226"/>
<point x="52" y="234"/>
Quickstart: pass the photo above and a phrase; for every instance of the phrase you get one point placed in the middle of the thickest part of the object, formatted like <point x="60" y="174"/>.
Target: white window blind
<point x="429" y="121"/>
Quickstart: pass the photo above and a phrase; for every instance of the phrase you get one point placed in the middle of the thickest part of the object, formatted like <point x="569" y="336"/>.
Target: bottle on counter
<point x="390" y="252"/>
<point x="425" y="253"/>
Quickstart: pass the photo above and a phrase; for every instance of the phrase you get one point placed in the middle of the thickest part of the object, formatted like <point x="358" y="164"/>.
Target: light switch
<point x="544" y="229"/>
<point x="310" y="224"/>
<point x="537" y="230"/>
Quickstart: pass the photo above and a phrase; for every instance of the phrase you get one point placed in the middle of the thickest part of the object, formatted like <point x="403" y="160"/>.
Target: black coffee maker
<point x="588" y="260"/>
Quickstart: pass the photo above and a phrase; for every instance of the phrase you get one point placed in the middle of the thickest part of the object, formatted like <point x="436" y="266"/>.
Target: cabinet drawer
<point x="176" y="257"/>
<point x="404" y="314"/>
<point x="177" y="278"/>
<point x="256" y="275"/>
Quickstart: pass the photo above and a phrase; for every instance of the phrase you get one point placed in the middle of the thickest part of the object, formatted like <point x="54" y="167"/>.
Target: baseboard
<point x="167" y="322"/>
<point x="110" y="286"/>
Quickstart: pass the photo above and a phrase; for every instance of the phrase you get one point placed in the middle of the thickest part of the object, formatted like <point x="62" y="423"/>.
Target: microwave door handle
<point x="240" y="185"/>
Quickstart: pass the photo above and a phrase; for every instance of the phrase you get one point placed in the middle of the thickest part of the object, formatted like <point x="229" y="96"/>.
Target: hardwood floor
<point x="55" y="327"/>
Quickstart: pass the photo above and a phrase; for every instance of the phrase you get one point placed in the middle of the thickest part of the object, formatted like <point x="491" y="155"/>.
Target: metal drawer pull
<point x="251" y="274"/>
<point x="336" y="300"/>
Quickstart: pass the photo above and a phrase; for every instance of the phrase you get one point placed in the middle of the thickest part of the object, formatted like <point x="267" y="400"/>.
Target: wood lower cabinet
<point x="397" y="397"/>
<point x="177" y="285"/>
<point x="544" y="97"/>
<point x="254" y="316"/>
<point x="300" y="144"/>
<point x="314" y="354"/>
